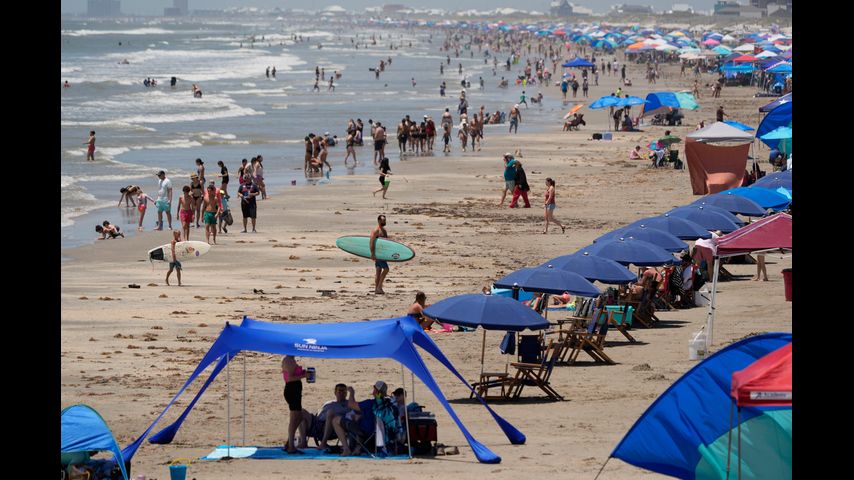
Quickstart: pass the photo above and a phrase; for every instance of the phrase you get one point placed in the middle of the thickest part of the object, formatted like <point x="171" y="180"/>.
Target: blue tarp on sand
<point x="393" y="338"/>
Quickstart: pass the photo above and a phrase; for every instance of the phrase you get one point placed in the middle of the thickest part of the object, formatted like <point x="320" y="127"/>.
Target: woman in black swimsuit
<point x="351" y="142"/>
<point x="384" y="170"/>
<point x="224" y="174"/>
<point x="416" y="311"/>
<point x="197" y="190"/>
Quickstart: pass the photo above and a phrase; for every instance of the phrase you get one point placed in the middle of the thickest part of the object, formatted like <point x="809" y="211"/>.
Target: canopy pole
<point x="710" y="321"/>
<point x="729" y="440"/>
<point x="244" y="400"/>
<point x="482" y="351"/>
<point x="405" y="410"/>
<point x="412" y="378"/>
<point x="228" y="404"/>
<point x="739" y="443"/>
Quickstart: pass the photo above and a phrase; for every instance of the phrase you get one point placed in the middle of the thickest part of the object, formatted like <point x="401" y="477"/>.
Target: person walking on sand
<point x="509" y="177"/>
<point x="350" y="142"/>
<point x="248" y="206"/>
<point x="212" y="211"/>
<point x="381" y="265"/>
<point x="515" y="118"/>
<point x="186" y="206"/>
<point x="521" y="187"/>
<point x="385" y="170"/>
<point x="550" y="207"/>
<point x="174" y="264"/>
<point x="90" y="147"/>
<point x="164" y="200"/>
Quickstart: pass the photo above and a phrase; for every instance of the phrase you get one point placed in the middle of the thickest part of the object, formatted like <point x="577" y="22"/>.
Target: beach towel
<point x="715" y="168"/>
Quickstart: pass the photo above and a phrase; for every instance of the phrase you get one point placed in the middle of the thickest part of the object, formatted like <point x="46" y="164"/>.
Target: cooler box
<point x="422" y="434"/>
<point x="787" y="282"/>
<point x="607" y="136"/>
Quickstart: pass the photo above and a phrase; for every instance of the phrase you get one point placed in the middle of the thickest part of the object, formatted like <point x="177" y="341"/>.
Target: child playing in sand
<point x="108" y="229"/>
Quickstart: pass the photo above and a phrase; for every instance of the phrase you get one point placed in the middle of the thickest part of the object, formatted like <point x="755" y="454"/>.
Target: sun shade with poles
<point x="709" y="218"/>
<point x="663" y="239"/>
<point x="630" y="251"/>
<point x="779" y="133"/>
<point x="681" y="228"/>
<point x="733" y="203"/>
<point x="593" y="268"/>
<point x="554" y="281"/>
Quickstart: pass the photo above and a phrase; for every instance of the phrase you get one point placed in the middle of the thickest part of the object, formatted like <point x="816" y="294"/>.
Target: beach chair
<point x="575" y="122"/>
<point x="535" y="374"/>
<point x="530" y="349"/>
<point x="592" y="342"/>
<point x="621" y="319"/>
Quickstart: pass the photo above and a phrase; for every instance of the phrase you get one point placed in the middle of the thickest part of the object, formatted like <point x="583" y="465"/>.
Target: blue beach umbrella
<point x="709" y="218"/>
<point x="782" y="191"/>
<point x="630" y="101"/>
<point x="549" y="280"/>
<point x="604" y="102"/>
<point x="740" y="126"/>
<point x="775" y="180"/>
<point x="680" y="228"/>
<point x="763" y="197"/>
<point x="663" y="239"/>
<point x="733" y="204"/>
<point x="630" y="251"/>
<point x="593" y="268"/>
<point x="489" y="312"/>
<point x="779" y="133"/>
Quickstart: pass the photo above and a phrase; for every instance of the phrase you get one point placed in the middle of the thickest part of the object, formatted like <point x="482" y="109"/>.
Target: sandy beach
<point x="126" y="352"/>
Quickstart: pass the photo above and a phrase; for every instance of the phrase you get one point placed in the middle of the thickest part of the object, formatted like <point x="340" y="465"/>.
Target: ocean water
<point x="242" y="113"/>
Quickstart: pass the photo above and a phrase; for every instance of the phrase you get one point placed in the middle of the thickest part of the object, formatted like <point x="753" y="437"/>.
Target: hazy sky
<point x="155" y="7"/>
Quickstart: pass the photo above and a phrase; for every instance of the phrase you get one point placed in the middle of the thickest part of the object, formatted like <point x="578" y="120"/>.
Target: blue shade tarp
<point x="629" y="101"/>
<point x="765" y="198"/>
<point x="779" y="133"/>
<point x="489" y="312"/>
<point x="782" y="68"/>
<point x="733" y="204"/>
<point x="658" y="102"/>
<point x="578" y="62"/>
<point x="393" y="338"/>
<point x="679" y="227"/>
<point x="707" y="216"/>
<point x="742" y="68"/>
<point x="83" y="430"/>
<point x="554" y="281"/>
<point x="738" y="125"/>
<point x="630" y="251"/>
<point x="593" y="268"/>
<point x="684" y="433"/>
<point x="663" y="239"/>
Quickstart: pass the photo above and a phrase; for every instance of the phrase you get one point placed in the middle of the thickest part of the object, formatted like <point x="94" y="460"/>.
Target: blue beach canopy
<point x="764" y="197"/>
<point x="780" y="116"/>
<point x="604" y="102"/>
<point x="782" y="68"/>
<point x="83" y="430"/>
<point x="490" y="312"/>
<point x="394" y="338"/>
<point x="630" y="251"/>
<point x="663" y="239"/>
<point x="685" y="432"/>
<point x="776" y="103"/>
<point x="593" y="268"/>
<point x="657" y="102"/>
<point x="733" y="204"/>
<point x="779" y="133"/>
<point x="629" y="101"/>
<point x="549" y="280"/>
<point x="679" y="227"/>
<point x="579" y="63"/>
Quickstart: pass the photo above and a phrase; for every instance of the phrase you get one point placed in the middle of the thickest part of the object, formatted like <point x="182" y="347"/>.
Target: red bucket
<point x="787" y="282"/>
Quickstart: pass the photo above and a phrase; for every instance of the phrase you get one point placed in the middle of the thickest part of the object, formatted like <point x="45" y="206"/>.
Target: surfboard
<point x="183" y="251"/>
<point x="387" y="250"/>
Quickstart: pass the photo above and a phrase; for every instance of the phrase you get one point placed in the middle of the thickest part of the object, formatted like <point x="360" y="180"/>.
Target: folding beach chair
<point x="592" y="342"/>
<point x="530" y="349"/>
<point x="536" y="374"/>
<point x="621" y="319"/>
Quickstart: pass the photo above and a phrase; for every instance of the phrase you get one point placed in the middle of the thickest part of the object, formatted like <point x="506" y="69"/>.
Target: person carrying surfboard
<point x="174" y="264"/>
<point x="381" y="265"/>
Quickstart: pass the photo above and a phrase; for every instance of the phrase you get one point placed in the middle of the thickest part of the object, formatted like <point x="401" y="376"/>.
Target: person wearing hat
<point x="164" y="200"/>
<point x="197" y="188"/>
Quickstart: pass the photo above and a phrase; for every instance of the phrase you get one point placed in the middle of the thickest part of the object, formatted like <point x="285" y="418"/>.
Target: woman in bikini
<point x="224" y="176"/>
<point x="550" y="206"/>
<point x="350" y="150"/>
<point x="416" y="311"/>
<point x="198" y="191"/>
<point x="293" y="375"/>
<point x="258" y="174"/>
<point x="200" y="170"/>
<point x="464" y="136"/>
<point x="186" y="206"/>
<point x="141" y="204"/>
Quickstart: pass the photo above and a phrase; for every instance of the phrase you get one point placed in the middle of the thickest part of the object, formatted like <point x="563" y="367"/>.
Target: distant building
<point x="682" y="8"/>
<point x="734" y="9"/>
<point x="560" y="8"/>
<point x="393" y="8"/>
<point x="103" y="8"/>
<point x="625" y="8"/>
<point x="726" y="8"/>
<point x="179" y="8"/>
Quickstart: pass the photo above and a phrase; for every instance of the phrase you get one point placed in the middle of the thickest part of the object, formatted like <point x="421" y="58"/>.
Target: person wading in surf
<point x="381" y="265"/>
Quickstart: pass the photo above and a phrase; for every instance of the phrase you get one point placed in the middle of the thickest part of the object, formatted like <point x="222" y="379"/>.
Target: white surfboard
<point x="183" y="251"/>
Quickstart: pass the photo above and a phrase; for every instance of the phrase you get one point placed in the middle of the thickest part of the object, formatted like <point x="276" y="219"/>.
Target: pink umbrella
<point x="711" y="41"/>
<point x="746" y="59"/>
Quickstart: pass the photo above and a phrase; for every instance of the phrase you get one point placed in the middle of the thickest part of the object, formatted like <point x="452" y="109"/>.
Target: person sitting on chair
<point x="329" y="410"/>
<point x="361" y="419"/>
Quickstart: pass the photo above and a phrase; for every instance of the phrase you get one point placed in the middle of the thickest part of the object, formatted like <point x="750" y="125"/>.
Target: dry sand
<point x="127" y="351"/>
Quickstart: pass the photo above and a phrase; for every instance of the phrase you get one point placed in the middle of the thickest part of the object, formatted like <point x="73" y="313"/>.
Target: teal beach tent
<point x="83" y="431"/>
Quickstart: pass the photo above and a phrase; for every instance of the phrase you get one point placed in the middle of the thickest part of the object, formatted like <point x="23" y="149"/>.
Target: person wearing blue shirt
<point x="509" y="176"/>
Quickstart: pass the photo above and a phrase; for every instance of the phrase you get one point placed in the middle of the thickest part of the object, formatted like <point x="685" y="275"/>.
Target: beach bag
<point x="597" y="136"/>
<point x="228" y="218"/>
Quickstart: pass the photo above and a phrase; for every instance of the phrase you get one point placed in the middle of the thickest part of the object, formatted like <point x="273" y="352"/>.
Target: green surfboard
<point x="387" y="250"/>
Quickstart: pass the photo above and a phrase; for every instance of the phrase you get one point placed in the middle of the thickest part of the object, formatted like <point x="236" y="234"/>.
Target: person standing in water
<point x="381" y="265"/>
<point x="90" y="149"/>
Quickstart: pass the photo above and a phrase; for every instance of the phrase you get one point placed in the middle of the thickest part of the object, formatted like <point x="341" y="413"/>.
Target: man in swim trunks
<point x="381" y="265"/>
<point x="164" y="200"/>
<point x="379" y="143"/>
<point x="174" y="264"/>
<point x="90" y="149"/>
<point x="212" y="212"/>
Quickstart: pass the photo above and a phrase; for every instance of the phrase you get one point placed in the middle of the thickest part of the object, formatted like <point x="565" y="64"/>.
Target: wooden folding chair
<point x="626" y="314"/>
<point x="591" y="342"/>
<point x="533" y="374"/>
